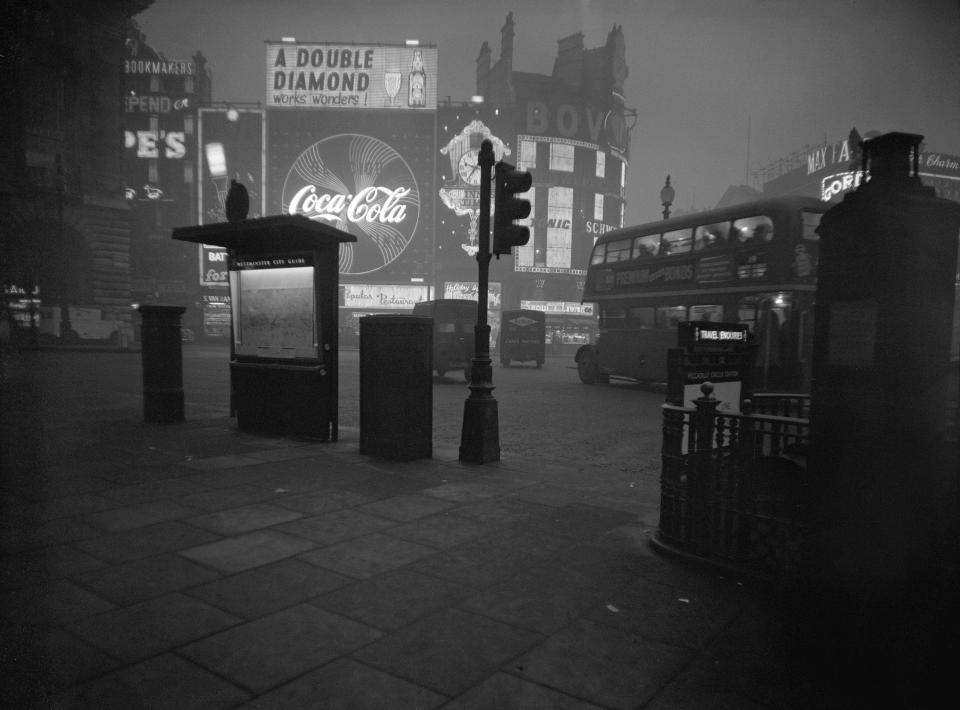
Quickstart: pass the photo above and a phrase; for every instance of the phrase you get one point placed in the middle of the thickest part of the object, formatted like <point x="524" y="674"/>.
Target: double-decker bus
<point x="753" y="263"/>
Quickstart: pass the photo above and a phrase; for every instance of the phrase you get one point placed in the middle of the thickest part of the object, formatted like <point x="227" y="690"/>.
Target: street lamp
<point x="666" y="198"/>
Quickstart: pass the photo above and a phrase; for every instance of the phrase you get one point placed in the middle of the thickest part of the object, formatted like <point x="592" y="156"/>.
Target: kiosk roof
<point x="265" y="234"/>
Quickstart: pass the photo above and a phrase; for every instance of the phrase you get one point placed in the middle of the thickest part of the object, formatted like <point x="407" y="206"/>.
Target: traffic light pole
<point x="480" y="437"/>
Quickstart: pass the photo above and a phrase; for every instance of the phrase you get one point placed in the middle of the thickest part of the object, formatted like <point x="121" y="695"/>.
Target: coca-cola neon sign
<point x="363" y="186"/>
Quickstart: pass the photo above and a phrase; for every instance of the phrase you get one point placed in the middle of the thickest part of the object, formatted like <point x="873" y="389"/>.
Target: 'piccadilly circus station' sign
<point x="360" y="185"/>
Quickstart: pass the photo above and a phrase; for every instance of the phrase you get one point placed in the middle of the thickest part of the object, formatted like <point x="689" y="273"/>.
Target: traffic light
<point x="507" y="208"/>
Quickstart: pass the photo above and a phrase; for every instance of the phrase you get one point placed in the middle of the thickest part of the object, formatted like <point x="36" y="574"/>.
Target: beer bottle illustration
<point x="417" y="84"/>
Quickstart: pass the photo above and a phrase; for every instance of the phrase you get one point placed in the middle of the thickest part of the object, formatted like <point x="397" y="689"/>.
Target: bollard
<point x="396" y="387"/>
<point x="162" y="363"/>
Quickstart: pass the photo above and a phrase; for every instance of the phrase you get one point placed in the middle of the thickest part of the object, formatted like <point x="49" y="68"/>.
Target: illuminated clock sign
<point x="360" y="185"/>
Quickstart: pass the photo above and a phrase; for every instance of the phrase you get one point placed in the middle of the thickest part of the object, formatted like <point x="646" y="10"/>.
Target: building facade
<point x="569" y="129"/>
<point x="65" y="261"/>
<point x="830" y="170"/>
<point x="161" y="99"/>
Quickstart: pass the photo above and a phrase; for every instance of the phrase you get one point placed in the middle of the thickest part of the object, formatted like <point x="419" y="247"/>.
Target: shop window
<point x="528" y="155"/>
<point x="598" y="207"/>
<point x="601" y="164"/>
<point x="561" y="157"/>
<point x="559" y="227"/>
<point x="676" y="242"/>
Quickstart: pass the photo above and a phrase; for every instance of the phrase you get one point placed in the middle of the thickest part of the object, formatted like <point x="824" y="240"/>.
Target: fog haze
<point x="721" y="87"/>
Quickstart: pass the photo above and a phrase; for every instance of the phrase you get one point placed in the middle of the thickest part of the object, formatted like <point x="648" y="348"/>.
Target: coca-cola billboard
<point x="361" y="185"/>
<point x="366" y="173"/>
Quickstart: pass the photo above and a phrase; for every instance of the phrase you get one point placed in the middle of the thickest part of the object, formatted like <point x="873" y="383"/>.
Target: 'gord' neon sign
<point x="363" y="186"/>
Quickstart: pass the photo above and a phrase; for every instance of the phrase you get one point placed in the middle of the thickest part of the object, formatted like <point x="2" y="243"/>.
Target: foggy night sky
<point x="798" y="71"/>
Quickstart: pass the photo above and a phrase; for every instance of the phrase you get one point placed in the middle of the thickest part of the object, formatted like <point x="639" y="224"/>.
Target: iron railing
<point x="733" y="484"/>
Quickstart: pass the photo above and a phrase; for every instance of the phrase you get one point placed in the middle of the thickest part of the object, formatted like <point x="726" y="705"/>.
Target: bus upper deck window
<point x="676" y="242"/>
<point x="710" y="236"/>
<point x="598" y="252"/>
<point x="752" y="230"/>
<point x="618" y="250"/>
<point x="646" y="246"/>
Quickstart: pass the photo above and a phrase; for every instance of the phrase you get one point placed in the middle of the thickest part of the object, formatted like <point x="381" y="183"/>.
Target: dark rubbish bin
<point x="162" y="358"/>
<point x="396" y="387"/>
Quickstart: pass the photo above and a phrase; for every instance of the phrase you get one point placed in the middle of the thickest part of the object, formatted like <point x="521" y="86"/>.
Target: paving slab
<point x="139" y="515"/>
<point x="329" y="528"/>
<point x="441" y="531"/>
<point x="137" y="632"/>
<point x="393" y="600"/>
<point x="325" y="500"/>
<point x="601" y="665"/>
<point x="450" y="651"/>
<point x="233" y="497"/>
<point x="145" y="542"/>
<point x="406" y="507"/>
<point x="143" y="579"/>
<point x="506" y="692"/>
<point x="262" y="654"/>
<point x="242" y="519"/>
<point x="34" y="567"/>
<point x="56" y="602"/>
<point x="368" y="555"/>
<point x="166" y="682"/>
<point x="235" y="554"/>
<point x="348" y="685"/>
<point x="528" y="602"/>
<point x="269" y="588"/>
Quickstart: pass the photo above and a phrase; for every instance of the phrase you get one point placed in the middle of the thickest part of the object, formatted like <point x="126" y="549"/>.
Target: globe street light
<point x="666" y="198"/>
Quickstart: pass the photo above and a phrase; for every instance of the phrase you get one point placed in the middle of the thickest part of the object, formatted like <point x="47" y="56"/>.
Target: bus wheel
<point x="588" y="369"/>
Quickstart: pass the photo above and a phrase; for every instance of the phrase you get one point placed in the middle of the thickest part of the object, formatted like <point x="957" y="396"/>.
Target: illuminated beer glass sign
<point x="360" y="185"/>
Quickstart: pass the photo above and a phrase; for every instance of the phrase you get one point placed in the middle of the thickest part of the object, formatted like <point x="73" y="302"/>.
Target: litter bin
<point x="162" y="358"/>
<point x="396" y="387"/>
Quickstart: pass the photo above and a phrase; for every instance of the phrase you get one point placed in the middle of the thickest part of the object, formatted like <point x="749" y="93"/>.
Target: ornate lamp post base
<point x="480" y="437"/>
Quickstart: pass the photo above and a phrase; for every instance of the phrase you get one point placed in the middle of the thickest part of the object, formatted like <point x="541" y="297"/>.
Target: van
<point x="453" y="342"/>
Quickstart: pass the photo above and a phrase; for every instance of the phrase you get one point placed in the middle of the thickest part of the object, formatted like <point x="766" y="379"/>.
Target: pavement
<point x="194" y="565"/>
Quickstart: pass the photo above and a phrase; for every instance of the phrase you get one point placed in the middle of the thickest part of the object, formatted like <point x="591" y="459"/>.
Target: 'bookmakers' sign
<point x="351" y="76"/>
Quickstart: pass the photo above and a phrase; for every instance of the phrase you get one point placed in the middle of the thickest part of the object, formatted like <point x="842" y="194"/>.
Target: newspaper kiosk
<point x="283" y="348"/>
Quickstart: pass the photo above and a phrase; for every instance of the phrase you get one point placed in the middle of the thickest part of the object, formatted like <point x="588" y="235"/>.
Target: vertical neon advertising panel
<point x="230" y="146"/>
